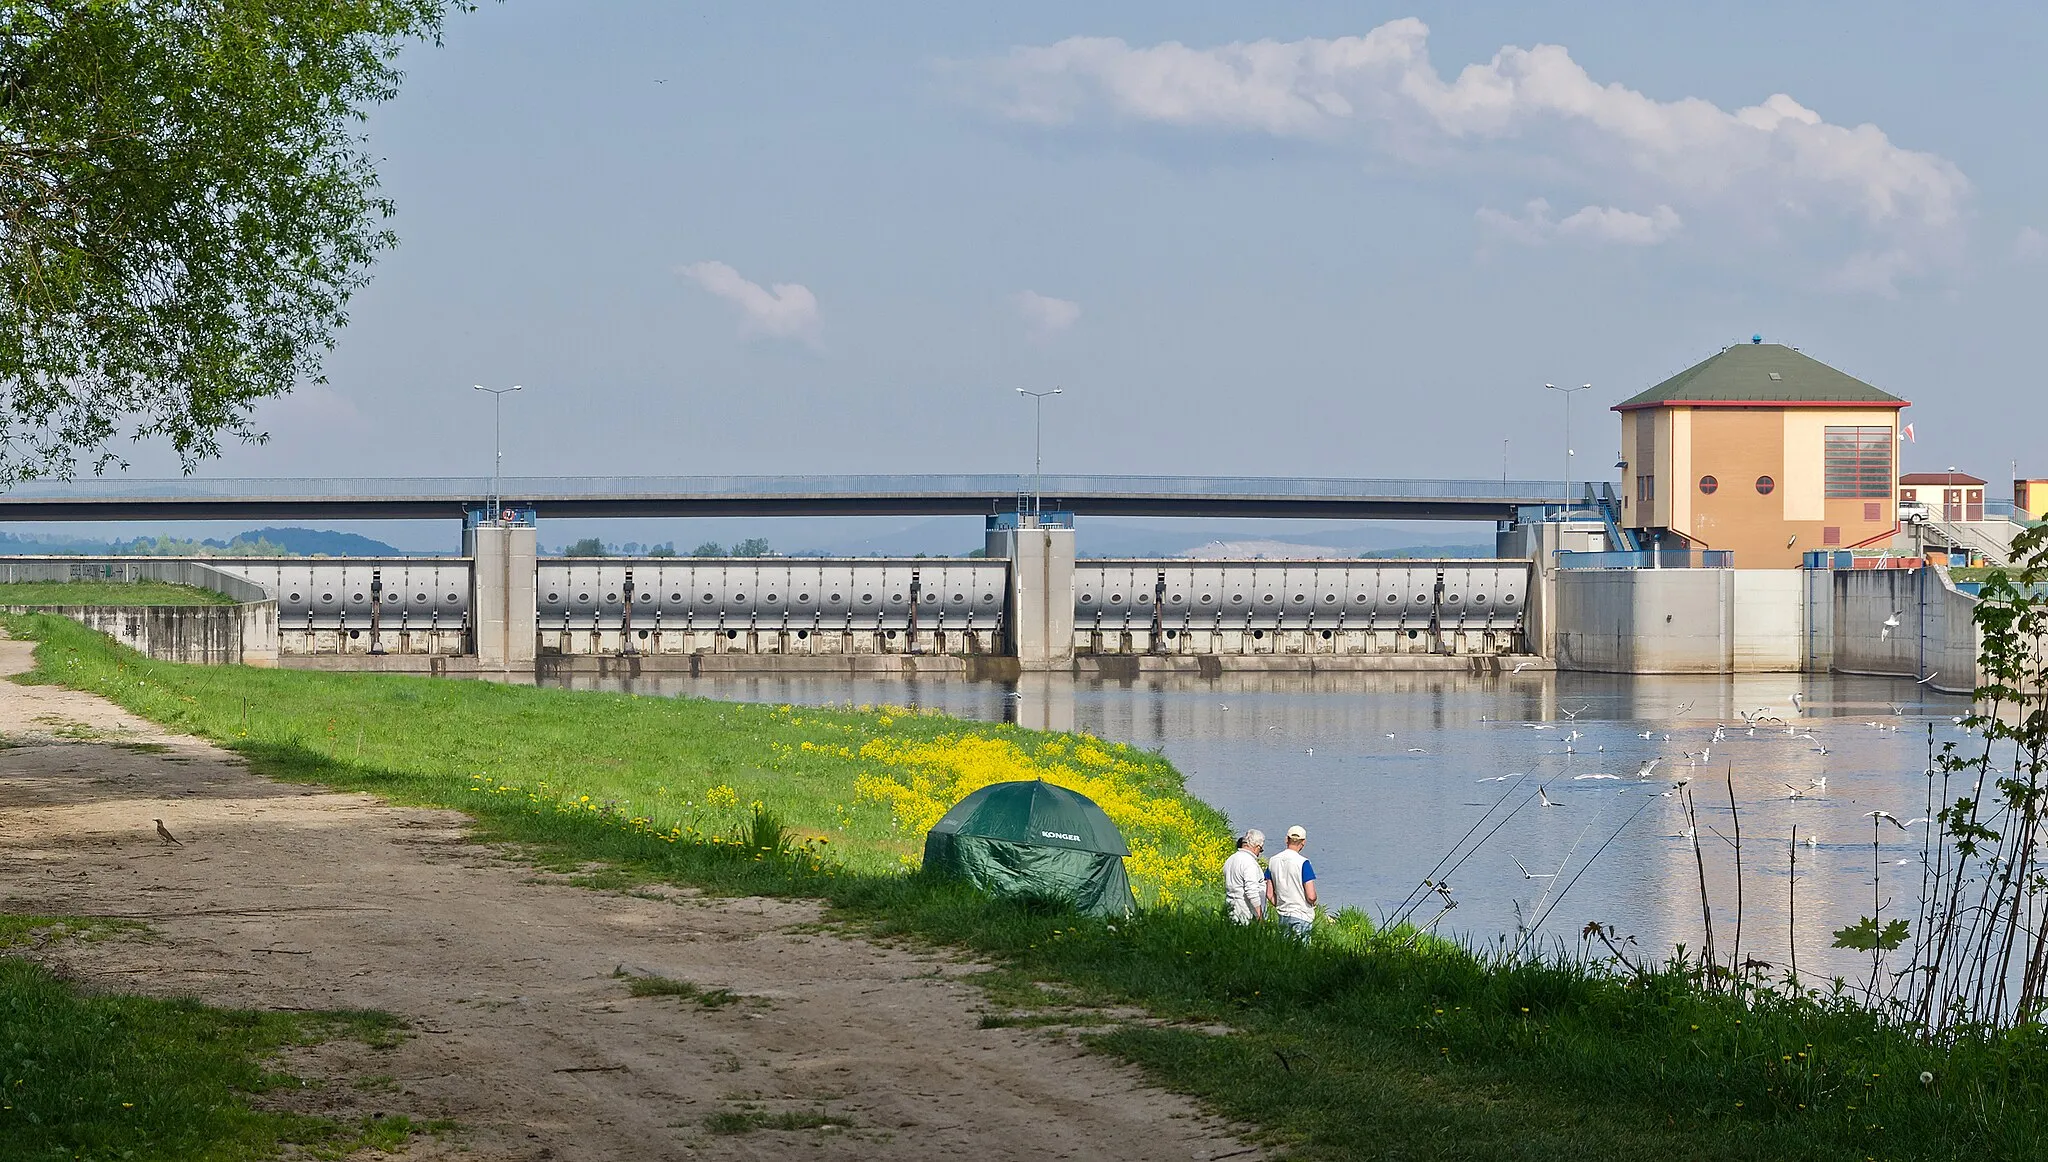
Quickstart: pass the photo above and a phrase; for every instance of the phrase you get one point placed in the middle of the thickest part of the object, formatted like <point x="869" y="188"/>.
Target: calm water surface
<point x="1385" y="770"/>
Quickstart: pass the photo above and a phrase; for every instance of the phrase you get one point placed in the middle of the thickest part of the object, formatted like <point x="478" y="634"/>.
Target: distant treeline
<point x="267" y="542"/>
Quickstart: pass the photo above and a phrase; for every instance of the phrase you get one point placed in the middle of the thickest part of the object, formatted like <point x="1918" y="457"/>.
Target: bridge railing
<point x="1648" y="559"/>
<point x="977" y="484"/>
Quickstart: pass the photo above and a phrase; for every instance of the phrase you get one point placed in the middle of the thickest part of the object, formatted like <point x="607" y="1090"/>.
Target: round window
<point x="1116" y="599"/>
<point x="673" y="597"/>
<point x="612" y="598"/>
<point x="1765" y="485"/>
<point x="1087" y="599"/>
<point x="1708" y="484"/>
<point x="554" y="597"/>
<point x="1266" y="600"/>
<point x="1206" y="599"/>
<point x="802" y="597"/>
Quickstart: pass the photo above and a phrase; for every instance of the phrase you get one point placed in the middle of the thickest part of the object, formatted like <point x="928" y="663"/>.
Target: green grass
<point x="49" y="593"/>
<point x="107" y="1077"/>
<point x="1364" y="1044"/>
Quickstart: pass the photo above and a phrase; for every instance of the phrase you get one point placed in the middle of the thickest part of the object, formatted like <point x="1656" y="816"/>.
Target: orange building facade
<point x="1764" y="452"/>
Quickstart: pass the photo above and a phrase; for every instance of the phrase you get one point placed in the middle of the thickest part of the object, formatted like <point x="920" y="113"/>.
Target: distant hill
<point x="316" y="543"/>
<point x="268" y="542"/>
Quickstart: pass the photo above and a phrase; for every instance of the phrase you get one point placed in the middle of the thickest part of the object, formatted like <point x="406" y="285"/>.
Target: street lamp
<point x="1037" y="450"/>
<point x="1568" y="435"/>
<point x="497" y="443"/>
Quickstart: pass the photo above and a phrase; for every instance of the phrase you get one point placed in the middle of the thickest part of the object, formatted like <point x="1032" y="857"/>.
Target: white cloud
<point x="1767" y="169"/>
<point x="1603" y="224"/>
<point x="2030" y="245"/>
<point x="1044" y="315"/>
<point x="786" y="310"/>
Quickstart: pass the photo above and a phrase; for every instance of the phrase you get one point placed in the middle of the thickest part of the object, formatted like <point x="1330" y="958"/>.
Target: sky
<point x="1280" y="239"/>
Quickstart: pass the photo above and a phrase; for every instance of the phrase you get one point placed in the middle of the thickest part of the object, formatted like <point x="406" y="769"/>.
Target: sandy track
<point x="290" y="898"/>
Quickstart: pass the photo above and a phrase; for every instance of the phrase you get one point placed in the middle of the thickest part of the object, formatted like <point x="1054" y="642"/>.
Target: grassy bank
<point x="51" y="593"/>
<point x="1362" y="1045"/>
<point x="84" y="1076"/>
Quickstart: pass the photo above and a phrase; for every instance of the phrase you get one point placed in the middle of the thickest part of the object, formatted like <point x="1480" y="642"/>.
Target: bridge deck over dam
<point x="706" y="496"/>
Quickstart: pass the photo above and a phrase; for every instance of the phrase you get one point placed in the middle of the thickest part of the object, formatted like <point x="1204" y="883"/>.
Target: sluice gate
<point x="1298" y="607"/>
<point x="804" y="606"/>
<point x="771" y="606"/>
<point x="399" y="605"/>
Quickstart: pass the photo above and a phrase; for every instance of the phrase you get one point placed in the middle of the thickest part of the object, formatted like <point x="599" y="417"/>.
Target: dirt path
<point x="293" y="898"/>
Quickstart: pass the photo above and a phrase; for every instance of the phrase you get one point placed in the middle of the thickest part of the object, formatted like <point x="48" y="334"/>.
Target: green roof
<point x="1761" y="373"/>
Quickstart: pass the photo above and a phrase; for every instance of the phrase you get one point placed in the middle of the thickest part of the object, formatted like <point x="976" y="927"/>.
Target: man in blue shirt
<point x="1291" y="885"/>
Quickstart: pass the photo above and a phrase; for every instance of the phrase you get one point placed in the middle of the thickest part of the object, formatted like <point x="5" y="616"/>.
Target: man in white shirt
<point x="1291" y="885"/>
<point x="1244" y="881"/>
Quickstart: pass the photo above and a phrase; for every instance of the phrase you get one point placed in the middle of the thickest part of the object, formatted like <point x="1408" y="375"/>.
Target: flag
<point x="1906" y="434"/>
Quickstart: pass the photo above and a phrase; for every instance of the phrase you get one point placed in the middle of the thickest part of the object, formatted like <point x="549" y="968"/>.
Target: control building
<point x="1761" y="451"/>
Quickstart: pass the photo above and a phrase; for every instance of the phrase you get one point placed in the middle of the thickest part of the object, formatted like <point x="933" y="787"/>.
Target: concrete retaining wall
<point x="1935" y="635"/>
<point x="205" y="634"/>
<point x="1679" y="621"/>
<point x="244" y="633"/>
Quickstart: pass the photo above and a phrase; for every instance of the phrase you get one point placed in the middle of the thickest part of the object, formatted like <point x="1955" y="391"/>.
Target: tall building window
<point x="1646" y="489"/>
<point x="1859" y="463"/>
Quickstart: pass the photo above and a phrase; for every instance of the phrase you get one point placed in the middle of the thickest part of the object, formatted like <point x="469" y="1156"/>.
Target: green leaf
<point x="1866" y="936"/>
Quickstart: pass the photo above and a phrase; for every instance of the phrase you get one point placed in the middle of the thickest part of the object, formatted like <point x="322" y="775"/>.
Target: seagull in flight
<point x="1502" y="778"/>
<point x="1543" y="797"/>
<point x="1648" y="766"/>
<point x="1529" y="875"/>
<point x="1890" y="623"/>
<point x="1927" y="679"/>
<point x="1573" y="713"/>
<point x="1577" y="778"/>
<point x="1520" y="666"/>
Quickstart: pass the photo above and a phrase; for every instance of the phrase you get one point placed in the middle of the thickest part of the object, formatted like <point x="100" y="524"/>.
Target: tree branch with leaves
<point x="186" y="207"/>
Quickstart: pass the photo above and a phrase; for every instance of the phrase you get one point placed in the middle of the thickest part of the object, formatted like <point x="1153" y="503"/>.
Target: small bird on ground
<point x="164" y="833"/>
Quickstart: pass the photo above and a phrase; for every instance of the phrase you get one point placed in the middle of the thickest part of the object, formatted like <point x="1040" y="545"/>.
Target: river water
<point x="1385" y="772"/>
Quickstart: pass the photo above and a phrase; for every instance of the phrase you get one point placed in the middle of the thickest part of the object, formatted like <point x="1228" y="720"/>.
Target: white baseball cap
<point x="1296" y="832"/>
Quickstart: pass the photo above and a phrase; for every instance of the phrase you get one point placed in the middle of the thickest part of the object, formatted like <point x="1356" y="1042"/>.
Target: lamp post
<point x="497" y="443"/>
<point x="1037" y="450"/>
<point x="1568" y="435"/>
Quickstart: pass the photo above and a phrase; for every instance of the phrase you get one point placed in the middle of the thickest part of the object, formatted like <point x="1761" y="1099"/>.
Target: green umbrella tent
<point x="1034" y="839"/>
